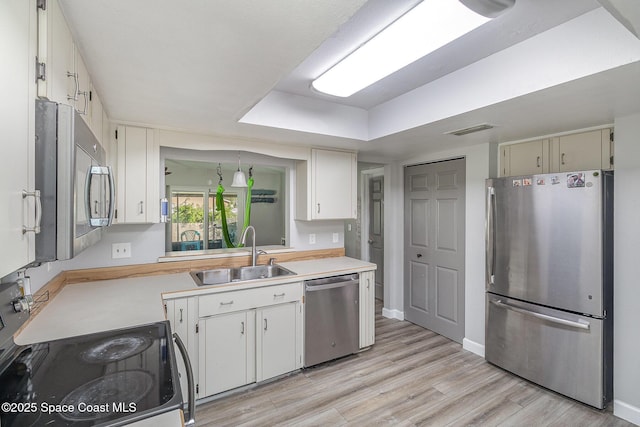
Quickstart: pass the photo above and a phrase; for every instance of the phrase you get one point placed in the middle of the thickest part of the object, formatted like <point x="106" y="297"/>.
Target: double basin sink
<point x="219" y="276"/>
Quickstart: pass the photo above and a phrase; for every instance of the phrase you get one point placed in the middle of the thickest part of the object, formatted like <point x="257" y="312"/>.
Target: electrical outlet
<point x="121" y="250"/>
<point x="336" y="237"/>
<point x="312" y="239"/>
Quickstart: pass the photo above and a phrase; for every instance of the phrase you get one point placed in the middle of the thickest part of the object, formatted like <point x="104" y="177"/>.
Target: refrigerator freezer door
<point x="545" y="240"/>
<point x="558" y="350"/>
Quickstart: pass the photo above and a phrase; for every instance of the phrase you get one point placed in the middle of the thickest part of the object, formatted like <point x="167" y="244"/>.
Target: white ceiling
<point x="201" y="65"/>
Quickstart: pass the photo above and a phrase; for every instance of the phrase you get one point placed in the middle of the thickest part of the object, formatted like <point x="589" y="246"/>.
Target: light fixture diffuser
<point x="425" y="28"/>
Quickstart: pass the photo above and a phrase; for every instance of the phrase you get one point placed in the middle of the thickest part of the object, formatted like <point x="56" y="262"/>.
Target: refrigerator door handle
<point x="490" y="231"/>
<point x="580" y="324"/>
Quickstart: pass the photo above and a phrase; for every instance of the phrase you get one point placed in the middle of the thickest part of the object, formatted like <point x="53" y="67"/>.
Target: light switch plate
<point x="312" y="239"/>
<point x="336" y="237"/>
<point x="121" y="250"/>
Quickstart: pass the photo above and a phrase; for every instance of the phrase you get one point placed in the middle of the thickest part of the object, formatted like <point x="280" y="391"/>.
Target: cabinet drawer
<point x="227" y="302"/>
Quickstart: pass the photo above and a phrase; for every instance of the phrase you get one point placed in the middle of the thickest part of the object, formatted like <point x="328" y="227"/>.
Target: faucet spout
<point x="243" y="238"/>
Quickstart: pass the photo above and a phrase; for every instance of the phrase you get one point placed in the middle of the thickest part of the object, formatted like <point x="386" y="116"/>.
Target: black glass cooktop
<point x="108" y="378"/>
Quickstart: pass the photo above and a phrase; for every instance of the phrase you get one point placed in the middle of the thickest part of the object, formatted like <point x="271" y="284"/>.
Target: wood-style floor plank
<point x="410" y="377"/>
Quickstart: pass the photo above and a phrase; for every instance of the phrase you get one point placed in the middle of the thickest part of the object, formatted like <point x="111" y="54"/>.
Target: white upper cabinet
<point x="326" y="186"/>
<point x="63" y="75"/>
<point x="527" y="158"/>
<point x="18" y="89"/>
<point x="56" y="52"/>
<point x="138" y="176"/>
<point x="567" y="153"/>
<point x="586" y="150"/>
<point x="83" y="95"/>
<point x="96" y="113"/>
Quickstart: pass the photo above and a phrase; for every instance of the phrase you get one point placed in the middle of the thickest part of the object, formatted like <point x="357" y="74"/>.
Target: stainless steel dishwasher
<point x="332" y="325"/>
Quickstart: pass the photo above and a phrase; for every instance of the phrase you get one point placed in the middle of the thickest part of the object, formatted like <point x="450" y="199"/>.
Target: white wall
<point x="477" y="171"/>
<point x="627" y="269"/>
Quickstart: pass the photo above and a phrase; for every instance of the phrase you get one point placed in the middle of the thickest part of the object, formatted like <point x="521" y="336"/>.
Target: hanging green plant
<point x="223" y="215"/>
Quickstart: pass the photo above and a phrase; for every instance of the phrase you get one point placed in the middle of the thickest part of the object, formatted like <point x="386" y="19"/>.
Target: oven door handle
<point x="191" y="416"/>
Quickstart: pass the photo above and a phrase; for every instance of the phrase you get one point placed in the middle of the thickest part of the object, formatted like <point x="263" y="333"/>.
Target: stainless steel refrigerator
<point x="549" y="281"/>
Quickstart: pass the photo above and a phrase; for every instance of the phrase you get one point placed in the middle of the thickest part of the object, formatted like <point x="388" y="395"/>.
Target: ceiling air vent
<point x="472" y="129"/>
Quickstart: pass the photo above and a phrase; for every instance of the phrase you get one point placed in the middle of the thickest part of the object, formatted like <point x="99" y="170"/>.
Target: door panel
<point x="376" y="230"/>
<point x="434" y="248"/>
<point x="419" y="233"/>
<point x="447" y="225"/>
<point x="446" y="293"/>
<point x="419" y="286"/>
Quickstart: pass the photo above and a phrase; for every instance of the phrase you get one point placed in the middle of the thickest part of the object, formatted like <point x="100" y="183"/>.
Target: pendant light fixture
<point x="239" y="180"/>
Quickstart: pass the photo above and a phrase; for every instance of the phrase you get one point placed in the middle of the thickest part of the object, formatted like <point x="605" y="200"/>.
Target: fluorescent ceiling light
<point x="425" y="28"/>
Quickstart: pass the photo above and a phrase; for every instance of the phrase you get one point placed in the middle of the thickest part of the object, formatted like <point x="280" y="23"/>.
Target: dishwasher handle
<point x="313" y="288"/>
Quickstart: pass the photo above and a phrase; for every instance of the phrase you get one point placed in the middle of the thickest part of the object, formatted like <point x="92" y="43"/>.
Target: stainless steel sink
<point x="220" y="276"/>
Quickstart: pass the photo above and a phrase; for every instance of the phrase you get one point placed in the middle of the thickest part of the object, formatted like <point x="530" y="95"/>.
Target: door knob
<point x="419" y="255"/>
<point x="370" y="241"/>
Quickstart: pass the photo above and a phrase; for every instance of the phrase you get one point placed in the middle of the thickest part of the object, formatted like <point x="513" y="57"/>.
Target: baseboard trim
<point x="626" y="412"/>
<point x="392" y="314"/>
<point x="473" y="347"/>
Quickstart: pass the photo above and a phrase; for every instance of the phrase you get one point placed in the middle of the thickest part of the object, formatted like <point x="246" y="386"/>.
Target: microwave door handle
<point x="112" y="196"/>
<point x="99" y="221"/>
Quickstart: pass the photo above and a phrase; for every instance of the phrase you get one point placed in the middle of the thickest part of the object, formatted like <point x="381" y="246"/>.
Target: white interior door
<point x="376" y="230"/>
<point x="434" y="247"/>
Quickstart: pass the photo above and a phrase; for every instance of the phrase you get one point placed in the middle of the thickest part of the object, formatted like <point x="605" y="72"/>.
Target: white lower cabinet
<point x="248" y="335"/>
<point x="279" y="348"/>
<point x="182" y="316"/>
<point x="367" y="308"/>
<point x="227" y="352"/>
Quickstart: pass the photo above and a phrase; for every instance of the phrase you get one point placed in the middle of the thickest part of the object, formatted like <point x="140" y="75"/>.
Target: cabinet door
<point x="181" y="313"/>
<point x="587" y="150"/>
<point x="226" y="352"/>
<point x="96" y="113"/>
<point x="83" y="99"/>
<point x="333" y="184"/>
<point x="17" y="109"/>
<point x="138" y="176"/>
<point x="367" y="309"/>
<point x="56" y="50"/>
<point x="278" y="337"/>
<point x="527" y="158"/>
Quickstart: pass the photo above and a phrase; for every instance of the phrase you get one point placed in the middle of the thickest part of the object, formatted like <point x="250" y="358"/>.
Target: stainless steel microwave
<point x="76" y="185"/>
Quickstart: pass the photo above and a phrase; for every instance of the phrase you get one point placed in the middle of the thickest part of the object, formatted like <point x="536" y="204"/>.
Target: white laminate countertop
<point x="104" y="305"/>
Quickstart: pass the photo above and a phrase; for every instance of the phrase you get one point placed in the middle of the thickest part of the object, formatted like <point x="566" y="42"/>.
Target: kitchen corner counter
<point x="327" y="267"/>
<point x="102" y="305"/>
<point x="85" y="308"/>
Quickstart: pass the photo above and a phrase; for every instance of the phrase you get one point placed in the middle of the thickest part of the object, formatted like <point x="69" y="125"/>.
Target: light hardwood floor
<point x="411" y="376"/>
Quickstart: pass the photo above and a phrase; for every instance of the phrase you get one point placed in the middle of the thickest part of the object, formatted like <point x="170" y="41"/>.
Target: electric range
<point x="107" y="378"/>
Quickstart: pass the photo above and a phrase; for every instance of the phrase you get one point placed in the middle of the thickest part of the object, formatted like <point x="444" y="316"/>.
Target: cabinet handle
<point x="265" y="324"/>
<point x="562" y="158"/>
<point x="318" y="207"/>
<point x="36" y="228"/>
<point x="85" y="94"/>
<point x="77" y="84"/>
<point x="181" y="315"/>
<point x="538" y="161"/>
<point x="279" y="295"/>
<point x="227" y="303"/>
<point x="368" y="283"/>
<point x="242" y="328"/>
<point x="141" y="207"/>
